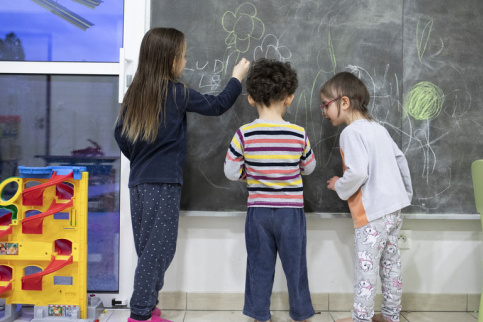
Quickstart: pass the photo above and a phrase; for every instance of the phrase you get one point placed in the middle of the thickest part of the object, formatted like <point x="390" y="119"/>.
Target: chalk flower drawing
<point x="271" y="49"/>
<point x="242" y="26"/>
<point x="424" y="101"/>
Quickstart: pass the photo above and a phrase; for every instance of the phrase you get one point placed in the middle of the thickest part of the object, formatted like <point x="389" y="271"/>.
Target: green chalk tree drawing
<point x="423" y="38"/>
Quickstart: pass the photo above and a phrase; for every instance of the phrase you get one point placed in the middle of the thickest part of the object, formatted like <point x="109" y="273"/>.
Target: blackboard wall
<point x="421" y="61"/>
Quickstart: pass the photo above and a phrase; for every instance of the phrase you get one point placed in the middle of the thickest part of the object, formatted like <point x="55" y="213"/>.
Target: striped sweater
<point x="271" y="157"/>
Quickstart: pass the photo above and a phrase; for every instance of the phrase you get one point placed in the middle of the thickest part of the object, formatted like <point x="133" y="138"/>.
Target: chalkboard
<point x="420" y="60"/>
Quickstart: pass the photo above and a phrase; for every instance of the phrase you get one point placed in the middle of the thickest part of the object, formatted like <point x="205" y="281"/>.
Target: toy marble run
<point x="43" y="243"/>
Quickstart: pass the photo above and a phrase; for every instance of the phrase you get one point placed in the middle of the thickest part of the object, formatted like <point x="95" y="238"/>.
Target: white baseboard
<point x="414" y="302"/>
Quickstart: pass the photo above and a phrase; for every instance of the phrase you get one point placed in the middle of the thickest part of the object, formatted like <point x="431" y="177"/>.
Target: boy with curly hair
<point x="271" y="154"/>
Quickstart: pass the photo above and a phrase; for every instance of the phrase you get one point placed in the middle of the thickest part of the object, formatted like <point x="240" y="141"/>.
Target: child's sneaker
<point x="152" y="319"/>
<point x="156" y="312"/>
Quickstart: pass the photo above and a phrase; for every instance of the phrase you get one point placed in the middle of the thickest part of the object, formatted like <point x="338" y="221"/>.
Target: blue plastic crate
<point x="46" y="172"/>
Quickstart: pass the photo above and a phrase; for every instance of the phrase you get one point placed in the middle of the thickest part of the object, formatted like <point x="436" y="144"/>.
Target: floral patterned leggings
<point x="377" y="253"/>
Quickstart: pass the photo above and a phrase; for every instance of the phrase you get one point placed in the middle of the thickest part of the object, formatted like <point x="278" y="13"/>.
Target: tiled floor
<point x="118" y="315"/>
<point x="282" y="316"/>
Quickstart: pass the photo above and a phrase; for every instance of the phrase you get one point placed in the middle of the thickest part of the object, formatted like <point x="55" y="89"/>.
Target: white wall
<point x="445" y="256"/>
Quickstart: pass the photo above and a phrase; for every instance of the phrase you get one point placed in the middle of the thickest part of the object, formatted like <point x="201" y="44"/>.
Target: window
<point x="61" y="30"/>
<point x="76" y="68"/>
<point x="68" y="120"/>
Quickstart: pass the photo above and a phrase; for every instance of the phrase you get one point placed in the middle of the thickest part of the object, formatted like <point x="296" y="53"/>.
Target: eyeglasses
<point x="324" y="106"/>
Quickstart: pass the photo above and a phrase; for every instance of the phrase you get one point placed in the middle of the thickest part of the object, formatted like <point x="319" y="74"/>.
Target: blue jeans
<point x="268" y="231"/>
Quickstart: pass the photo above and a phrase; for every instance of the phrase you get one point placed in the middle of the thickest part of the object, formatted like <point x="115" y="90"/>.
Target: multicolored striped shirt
<point x="271" y="157"/>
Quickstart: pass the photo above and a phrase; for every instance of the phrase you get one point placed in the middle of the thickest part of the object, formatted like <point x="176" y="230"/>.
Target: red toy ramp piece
<point x="6" y="220"/>
<point x="64" y="191"/>
<point x="33" y="225"/>
<point x="6" y="232"/>
<point x="6" y="288"/>
<point x="33" y="282"/>
<point x="33" y="196"/>
<point x="5" y="275"/>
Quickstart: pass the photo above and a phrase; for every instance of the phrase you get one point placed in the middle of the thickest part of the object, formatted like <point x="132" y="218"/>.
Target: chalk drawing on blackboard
<point x="270" y="48"/>
<point x="417" y="132"/>
<point x="211" y="182"/>
<point x="460" y="101"/>
<point x="422" y="136"/>
<point x="210" y="80"/>
<point x="423" y="37"/>
<point x="331" y="52"/>
<point x="362" y="73"/>
<point x="424" y="101"/>
<point x="302" y="100"/>
<point x="241" y="26"/>
<point x="326" y="64"/>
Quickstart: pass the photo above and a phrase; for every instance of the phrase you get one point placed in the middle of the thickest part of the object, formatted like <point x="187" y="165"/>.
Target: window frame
<point x="136" y="22"/>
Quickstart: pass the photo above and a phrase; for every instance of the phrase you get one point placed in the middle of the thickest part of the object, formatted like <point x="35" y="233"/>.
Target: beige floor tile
<point x="216" y="316"/>
<point x="283" y="316"/>
<point x="439" y="317"/>
<point x="322" y="317"/>
<point x="402" y="318"/>
<point x="112" y="315"/>
<point x="237" y="316"/>
<point x="475" y="314"/>
<point x="342" y="315"/>
<point x="344" y="302"/>
<point x="174" y="315"/>
<point x="120" y="315"/>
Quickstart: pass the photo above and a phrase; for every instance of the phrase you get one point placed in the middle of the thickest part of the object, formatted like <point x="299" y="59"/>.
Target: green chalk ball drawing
<point x="424" y="101"/>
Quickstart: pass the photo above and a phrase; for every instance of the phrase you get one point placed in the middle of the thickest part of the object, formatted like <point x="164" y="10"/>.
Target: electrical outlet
<point x="404" y="239"/>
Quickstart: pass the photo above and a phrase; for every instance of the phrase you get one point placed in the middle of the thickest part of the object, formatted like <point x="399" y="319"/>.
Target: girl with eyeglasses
<point x="376" y="184"/>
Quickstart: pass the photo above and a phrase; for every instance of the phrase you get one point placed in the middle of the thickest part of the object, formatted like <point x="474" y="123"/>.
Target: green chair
<point x="477" y="173"/>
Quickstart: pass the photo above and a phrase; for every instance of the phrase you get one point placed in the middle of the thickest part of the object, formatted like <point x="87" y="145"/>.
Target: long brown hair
<point x="144" y="105"/>
<point x="347" y="84"/>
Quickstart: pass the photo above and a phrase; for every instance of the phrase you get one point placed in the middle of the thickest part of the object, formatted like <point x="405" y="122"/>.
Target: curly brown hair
<point x="270" y="81"/>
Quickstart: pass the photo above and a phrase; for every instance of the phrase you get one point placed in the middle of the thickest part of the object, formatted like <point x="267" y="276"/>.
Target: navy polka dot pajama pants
<point x="154" y="215"/>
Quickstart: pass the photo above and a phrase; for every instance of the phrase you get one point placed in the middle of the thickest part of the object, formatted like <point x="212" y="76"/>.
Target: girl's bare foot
<point x="378" y="318"/>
